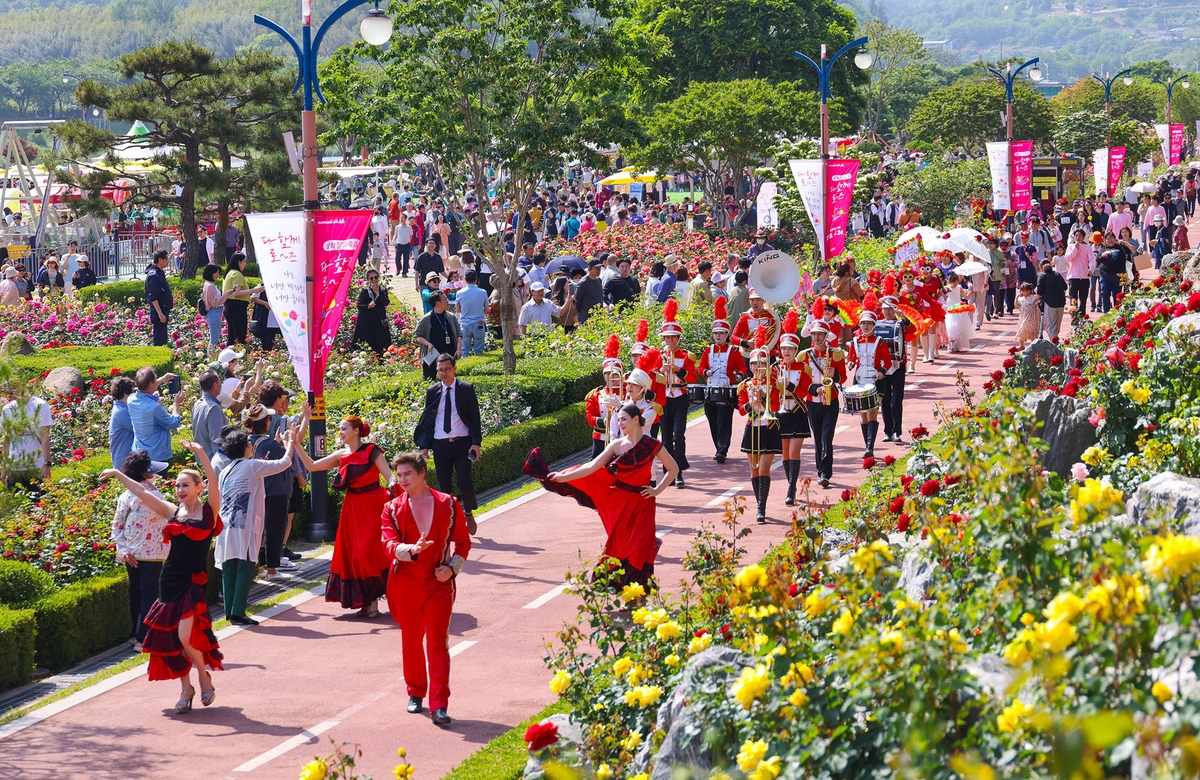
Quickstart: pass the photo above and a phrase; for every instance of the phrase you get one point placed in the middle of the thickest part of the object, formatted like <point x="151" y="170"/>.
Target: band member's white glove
<point x="456" y="563"/>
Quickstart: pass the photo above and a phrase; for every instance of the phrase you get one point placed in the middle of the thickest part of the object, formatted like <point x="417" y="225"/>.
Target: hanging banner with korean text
<point x="807" y="174"/>
<point x="768" y="216"/>
<point x="339" y="236"/>
<point x="1116" y="166"/>
<point x="1022" y="174"/>
<point x="1175" y="147"/>
<point x="1000" y="166"/>
<point x="840" y="176"/>
<point x="1100" y="169"/>
<point x="278" y="241"/>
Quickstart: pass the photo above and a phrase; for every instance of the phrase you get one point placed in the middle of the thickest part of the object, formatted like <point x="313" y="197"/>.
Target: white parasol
<point x="924" y="232"/>
<point x="1144" y="187"/>
<point x="971" y="267"/>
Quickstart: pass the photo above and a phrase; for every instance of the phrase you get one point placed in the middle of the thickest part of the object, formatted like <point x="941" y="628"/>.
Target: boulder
<point x="1064" y="424"/>
<point x="63" y="380"/>
<point x="923" y="464"/>
<point x="1188" y="324"/>
<point x="1036" y="358"/>
<point x="1168" y="497"/>
<point x="916" y="570"/>
<point x="16" y="344"/>
<point x="835" y="539"/>
<point x="995" y="675"/>
<point x="570" y="740"/>
<point x="1180" y="259"/>
<point x="683" y="745"/>
<point x="1191" y="268"/>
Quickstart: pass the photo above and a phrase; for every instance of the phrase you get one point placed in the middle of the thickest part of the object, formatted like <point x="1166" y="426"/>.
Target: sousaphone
<point x="775" y="276"/>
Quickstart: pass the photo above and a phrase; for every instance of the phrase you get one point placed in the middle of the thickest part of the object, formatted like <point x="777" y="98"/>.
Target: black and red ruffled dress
<point x="359" y="569"/>
<point x="615" y="492"/>
<point x="181" y="595"/>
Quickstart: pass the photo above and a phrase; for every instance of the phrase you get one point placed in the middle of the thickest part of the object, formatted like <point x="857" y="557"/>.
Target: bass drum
<point x="860" y="398"/>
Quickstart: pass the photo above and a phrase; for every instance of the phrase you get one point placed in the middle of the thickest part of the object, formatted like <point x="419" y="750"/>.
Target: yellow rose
<point x="671" y="660"/>
<point x="642" y="776"/>
<point x="799" y="671"/>
<point x="1172" y="556"/>
<point x="751" y="577"/>
<point x="632" y="741"/>
<point x="766" y="770"/>
<point x="1021" y="650"/>
<point x="603" y="772"/>
<point x="1010" y="719"/>
<point x="560" y="682"/>
<point x="699" y="644"/>
<point x="1098" y="601"/>
<point x="894" y="638"/>
<point x="952" y="638"/>
<point x="401" y="752"/>
<point x="622" y="666"/>
<point x="751" y="685"/>
<point x="655" y="618"/>
<point x="867" y="560"/>
<point x="632" y="592"/>
<point x="639" y="673"/>
<point x="818" y="602"/>
<point x="1094" y="455"/>
<point x="1140" y="395"/>
<point x="798" y="698"/>
<point x="1055" y="635"/>
<point x="844" y="623"/>
<point x="639" y="616"/>
<point x="313" y="770"/>
<point x="1161" y="692"/>
<point x="667" y="631"/>
<point x="1094" y="498"/>
<point x="403" y="771"/>
<point x="752" y="752"/>
<point x="1064" y="606"/>
<point x="643" y="696"/>
<point x="1028" y="619"/>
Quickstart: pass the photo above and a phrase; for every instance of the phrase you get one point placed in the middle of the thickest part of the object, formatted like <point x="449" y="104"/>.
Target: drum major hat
<point x="720" y="315"/>
<point x="787" y="336"/>
<point x="612" y="356"/>
<point x="647" y="364"/>
<point x="867" y="315"/>
<point x="889" y="301"/>
<point x="670" y="327"/>
<point x="639" y="341"/>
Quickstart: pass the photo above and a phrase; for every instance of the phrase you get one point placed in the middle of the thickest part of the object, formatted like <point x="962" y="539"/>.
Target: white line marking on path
<point x="840" y="428"/>
<point x="325" y="725"/>
<point x="981" y="346"/>
<point x="917" y="383"/>
<point x="697" y="421"/>
<point x="540" y="600"/>
<point x="1003" y="335"/>
<point x="728" y="494"/>
<point x="948" y="365"/>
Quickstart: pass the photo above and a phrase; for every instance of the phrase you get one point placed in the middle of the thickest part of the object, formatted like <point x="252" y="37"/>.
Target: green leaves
<point x="969" y="114"/>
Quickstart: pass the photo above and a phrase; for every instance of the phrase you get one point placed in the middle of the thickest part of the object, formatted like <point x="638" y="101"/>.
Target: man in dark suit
<point x="450" y="426"/>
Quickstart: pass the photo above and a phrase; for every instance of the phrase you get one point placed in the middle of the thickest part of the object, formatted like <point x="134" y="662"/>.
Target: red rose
<point x="931" y="487"/>
<point x="541" y="735"/>
<point x="1009" y="363"/>
<point x="897" y="505"/>
<point x="903" y="522"/>
<point x="62" y="547"/>
<point x="847" y="494"/>
<point x="1056" y="360"/>
<point x="920" y="432"/>
<point x="889" y="460"/>
<point x="794" y="590"/>
<point x="868" y="463"/>
<point x="905" y="481"/>
<point x="1185" y="285"/>
<point x="701" y="632"/>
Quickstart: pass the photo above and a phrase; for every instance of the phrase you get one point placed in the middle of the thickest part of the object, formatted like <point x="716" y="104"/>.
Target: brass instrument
<point x="761" y="392"/>
<point x="826" y="391"/>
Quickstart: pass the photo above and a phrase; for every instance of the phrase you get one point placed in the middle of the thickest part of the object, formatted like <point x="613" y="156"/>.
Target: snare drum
<point x="860" y="398"/>
<point x="696" y="393"/>
<point x="720" y="395"/>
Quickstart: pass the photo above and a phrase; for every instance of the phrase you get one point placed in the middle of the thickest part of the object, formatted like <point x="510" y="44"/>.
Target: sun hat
<point x="1179" y="220"/>
<point x="10" y="273"/>
<point x="431" y="276"/>
<point x="228" y="355"/>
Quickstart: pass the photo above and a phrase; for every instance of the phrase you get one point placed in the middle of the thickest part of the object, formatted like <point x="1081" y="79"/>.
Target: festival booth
<point x="1057" y="177"/>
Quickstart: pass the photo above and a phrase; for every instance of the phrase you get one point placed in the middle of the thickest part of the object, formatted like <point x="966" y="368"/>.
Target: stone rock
<point x="1036" y="358"/>
<point x="63" y="380"/>
<point x="1191" y="268"/>
<point x="683" y="745"/>
<point x="916" y="570"/>
<point x="835" y="539"/>
<point x="1070" y="355"/>
<point x="16" y="344"/>
<point x="924" y="464"/>
<point x="994" y="673"/>
<point x="1169" y="497"/>
<point x="1188" y="324"/>
<point x="570" y="738"/>
<point x="1064" y="424"/>
<point x="1180" y="259"/>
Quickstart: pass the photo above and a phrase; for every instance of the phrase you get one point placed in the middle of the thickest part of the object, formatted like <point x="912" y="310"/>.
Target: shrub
<point x="21" y="583"/>
<point x="121" y="292"/>
<point x="17" y="631"/>
<point x="102" y="360"/>
<point x="559" y="434"/>
<point x="82" y="618"/>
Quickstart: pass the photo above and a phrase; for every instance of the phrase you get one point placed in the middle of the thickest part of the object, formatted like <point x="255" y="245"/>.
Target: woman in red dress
<point x="180" y="631"/>
<point x="359" y="569"/>
<point x="618" y="484"/>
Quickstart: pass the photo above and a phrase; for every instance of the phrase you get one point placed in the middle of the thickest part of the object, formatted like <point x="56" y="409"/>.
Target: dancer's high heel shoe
<point x="207" y="697"/>
<point x="184" y="705"/>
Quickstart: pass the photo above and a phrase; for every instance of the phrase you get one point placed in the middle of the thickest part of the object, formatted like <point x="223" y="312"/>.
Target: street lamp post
<point x="1184" y="81"/>
<point x="1007" y="78"/>
<point x="67" y="80"/>
<point x="376" y="29"/>
<point x="1108" y="84"/>
<point x="863" y="60"/>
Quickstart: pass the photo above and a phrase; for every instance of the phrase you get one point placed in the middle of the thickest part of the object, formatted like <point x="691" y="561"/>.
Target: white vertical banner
<point x="768" y="216"/>
<point x="807" y="174"/>
<point x="1001" y="168"/>
<point x="1100" y="164"/>
<point x="1164" y="137"/>
<point x="279" y="248"/>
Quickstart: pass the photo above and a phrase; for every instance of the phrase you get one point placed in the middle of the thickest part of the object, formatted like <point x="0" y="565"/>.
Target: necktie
<point x="446" y="416"/>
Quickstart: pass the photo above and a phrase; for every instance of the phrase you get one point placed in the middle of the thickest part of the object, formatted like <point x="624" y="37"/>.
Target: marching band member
<point x="678" y="371"/>
<point x="826" y="368"/>
<point x="721" y="366"/>
<point x="870" y="359"/>
<point x="891" y="386"/>
<point x="637" y="392"/>
<point x="791" y="380"/>
<point x="758" y="401"/>
<point x="656" y="392"/>
<point x="600" y="404"/>
<point x="746" y="329"/>
<point x="824" y="312"/>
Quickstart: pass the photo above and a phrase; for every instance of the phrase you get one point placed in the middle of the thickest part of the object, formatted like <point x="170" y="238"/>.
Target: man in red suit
<point x="419" y="527"/>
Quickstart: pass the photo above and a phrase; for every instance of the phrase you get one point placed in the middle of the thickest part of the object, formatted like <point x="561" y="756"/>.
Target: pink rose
<point x="1079" y="472"/>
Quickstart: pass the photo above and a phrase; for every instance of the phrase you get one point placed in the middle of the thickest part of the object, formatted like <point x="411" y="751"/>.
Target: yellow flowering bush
<point x="1172" y="556"/>
<point x="751" y="685"/>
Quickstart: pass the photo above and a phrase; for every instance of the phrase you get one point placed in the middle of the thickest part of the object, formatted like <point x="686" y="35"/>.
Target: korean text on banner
<point x="1100" y="166"/>
<point x="1176" y="144"/>
<point x="998" y="162"/>
<point x="908" y="252"/>
<point x="807" y="174"/>
<point x="1116" y="164"/>
<point x="338" y="236"/>
<point x="768" y="216"/>
<point x="279" y="248"/>
<point x="1164" y="139"/>
<point x="839" y="183"/>
<point x="1022" y="174"/>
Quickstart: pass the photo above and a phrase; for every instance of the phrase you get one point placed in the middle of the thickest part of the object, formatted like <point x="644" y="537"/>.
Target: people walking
<point x="137" y="532"/>
<point x="450" y="426"/>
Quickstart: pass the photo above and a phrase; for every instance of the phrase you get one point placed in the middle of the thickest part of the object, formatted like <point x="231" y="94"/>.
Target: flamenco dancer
<point x="180" y="631"/>
<point x="601" y="404"/>
<point x="618" y="485"/>
<point x="359" y="569"/>
<point x="869" y="361"/>
<point x="790" y="378"/>
<point x="678" y="371"/>
<point x="721" y="366"/>
<point x="758" y="401"/>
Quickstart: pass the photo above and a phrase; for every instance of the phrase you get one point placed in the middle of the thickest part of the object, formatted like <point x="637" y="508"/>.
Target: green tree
<point x="717" y="131"/>
<point x="970" y="114"/>
<point x="723" y="40"/>
<point x="1137" y="101"/>
<point x="502" y="93"/>
<point x="902" y="67"/>
<point x="200" y="113"/>
<point x="941" y="188"/>
<point x="1080" y="133"/>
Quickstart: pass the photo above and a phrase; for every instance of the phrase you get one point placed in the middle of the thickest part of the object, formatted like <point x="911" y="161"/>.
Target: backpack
<point x="200" y="305"/>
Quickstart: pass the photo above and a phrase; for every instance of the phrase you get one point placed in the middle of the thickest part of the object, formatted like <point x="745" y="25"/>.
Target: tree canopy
<point x="1137" y="101"/>
<point x="970" y="114"/>
<point x="941" y="187"/>
<point x="903" y="73"/>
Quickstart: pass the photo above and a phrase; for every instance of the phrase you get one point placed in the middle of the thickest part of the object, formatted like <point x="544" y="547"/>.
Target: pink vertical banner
<point x="1176" y="144"/>
<point x="840" y="176"/>
<point x="1116" y="164"/>
<point x="338" y="236"/>
<point x="1022" y="174"/>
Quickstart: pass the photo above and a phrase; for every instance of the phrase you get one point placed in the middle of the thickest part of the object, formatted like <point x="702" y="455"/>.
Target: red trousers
<point x="421" y="607"/>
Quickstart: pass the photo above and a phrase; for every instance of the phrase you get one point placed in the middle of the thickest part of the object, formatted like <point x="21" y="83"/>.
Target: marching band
<point x="678" y="372"/>
<point x="758" y="401"/>
<point x="791" y="379"/>
<point x="722" y="369"/>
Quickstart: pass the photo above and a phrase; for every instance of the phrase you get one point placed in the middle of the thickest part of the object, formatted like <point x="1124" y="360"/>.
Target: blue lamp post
<point x="66" y="77"/>
<point x="1108" y="84"/>
<point x="1007" y="78"/>
<point x="1184" y="81"/>
<point x="376" y="29"/>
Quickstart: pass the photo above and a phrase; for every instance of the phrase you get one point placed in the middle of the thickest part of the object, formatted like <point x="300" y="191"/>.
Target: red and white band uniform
<point x="871" y="358"/>
<point x="678" y="371"/>
<point x="826" y="368"/>
<point x="832" y="324"/>
<point x="599" y="407"/>
<point x="748" y="391"/>
<point x="650" y="412"/>
<point x="748" y="324"/>
<point x="419" y="602"/>
<point x="727" y="369"/>
<point x="724" y="361"/>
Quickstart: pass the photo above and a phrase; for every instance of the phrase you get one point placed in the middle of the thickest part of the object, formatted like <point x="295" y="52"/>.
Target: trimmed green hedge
<point x="127" y="360"/>
<point x="21" y="583"/>
<point x="559" y="434"/>
<point x="18" y="629"/>
<point x="81" y="619"/>
<point x="121" y="292"/>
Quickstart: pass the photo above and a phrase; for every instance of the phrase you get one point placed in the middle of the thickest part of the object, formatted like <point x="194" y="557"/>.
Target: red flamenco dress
<point x="181" y="595"/>
<point x="359" y="569"/>
<point x="615" y="492"/>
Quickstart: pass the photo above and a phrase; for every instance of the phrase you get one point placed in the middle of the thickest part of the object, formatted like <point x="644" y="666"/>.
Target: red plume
<point x="889" y="285"/>
<point x="791" y="321"/>
<point x="871" y="303"/>
<point x="643" y="332"/>
<point x="760" y="337"/>
<point x="612" y="348"/>
<point x="651" y="361"/>
<point x="720" y="309"/>
<point x="818" y="309"/>
<point x="670" y="310"/>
